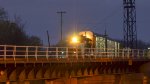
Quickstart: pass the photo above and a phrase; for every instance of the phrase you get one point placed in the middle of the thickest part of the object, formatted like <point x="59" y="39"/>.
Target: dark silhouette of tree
<point x="12" y="33"/>
<point x="140" y="44"/>
<point x="143" y="45"/>
<point x="62" y="43"/>
<point x="34" y="40"/>
<point x="3" y="14"/>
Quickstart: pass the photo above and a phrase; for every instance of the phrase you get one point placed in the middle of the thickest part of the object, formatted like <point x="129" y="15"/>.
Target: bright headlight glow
<point x="75" y="39"/>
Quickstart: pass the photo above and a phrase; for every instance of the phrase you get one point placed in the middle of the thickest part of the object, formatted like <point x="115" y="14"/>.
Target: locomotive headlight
<point x="75" y="39"/>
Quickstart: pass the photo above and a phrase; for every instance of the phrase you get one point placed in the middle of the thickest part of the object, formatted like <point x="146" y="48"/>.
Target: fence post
<point x="94" y="53"/>
<point x="14" y="53"/>
<point x="47" y="51"/>
<point x="57" y="53"/>
<point x="138" y="53"/>
<point x="143" y="53"/>
<point x="132" y="54"/>
<point x="5" y="52"/>
<point x="122" y="53"/>
<point x="113" y="53"/>
<point x="128" y="53"/>
<point x="83" y="53"/>
<point x="27" y="48"/>
<point x="67" y="53"/>
<point x="77" y="53"/>
<point x="36" y="50"/>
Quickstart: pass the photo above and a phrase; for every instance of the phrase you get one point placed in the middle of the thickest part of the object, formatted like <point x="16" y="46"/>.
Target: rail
<point x="41" y="53"/>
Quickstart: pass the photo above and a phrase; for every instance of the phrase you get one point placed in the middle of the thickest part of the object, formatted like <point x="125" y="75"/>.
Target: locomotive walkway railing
<point x="10" y="53"/>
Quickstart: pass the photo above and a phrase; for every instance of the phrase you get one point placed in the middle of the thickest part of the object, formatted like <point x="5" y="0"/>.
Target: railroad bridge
<point x="67" y="65"/>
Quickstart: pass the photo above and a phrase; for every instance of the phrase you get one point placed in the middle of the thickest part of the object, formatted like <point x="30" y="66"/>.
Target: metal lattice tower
<point x="130" y="32"/>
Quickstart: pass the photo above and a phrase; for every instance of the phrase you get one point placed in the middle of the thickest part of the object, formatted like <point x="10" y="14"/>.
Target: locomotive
<point x="90" y="43"/>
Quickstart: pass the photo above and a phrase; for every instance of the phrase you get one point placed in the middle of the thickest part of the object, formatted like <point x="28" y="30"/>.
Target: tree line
<point x="12" y="32"/>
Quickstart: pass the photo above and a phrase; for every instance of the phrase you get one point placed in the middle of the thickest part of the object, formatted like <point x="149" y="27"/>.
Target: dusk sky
<point x="95" y="15"/>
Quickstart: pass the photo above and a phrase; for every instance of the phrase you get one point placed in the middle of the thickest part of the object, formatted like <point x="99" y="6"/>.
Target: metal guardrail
<point x="41" y="53"/>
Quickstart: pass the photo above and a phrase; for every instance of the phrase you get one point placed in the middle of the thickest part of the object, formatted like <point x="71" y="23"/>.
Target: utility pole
<point x="48" y="39"/>
<point x="61" y="23"/>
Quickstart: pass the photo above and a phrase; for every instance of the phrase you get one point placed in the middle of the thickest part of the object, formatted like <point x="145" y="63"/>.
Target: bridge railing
<point x="40" y="53"/>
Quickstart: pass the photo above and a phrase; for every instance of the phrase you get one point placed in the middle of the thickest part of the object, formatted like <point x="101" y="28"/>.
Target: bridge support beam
<point x="57" y="81"/>
<point x="138" y="78"/>
<point x="18" y="82"/>
<point x="103" y="79"/>
<point x="62" y="81"/>
<point x="82" y="81"/>
<point x="49" y="82"/>
<point x="26" y="82"/>
<point x="71" y="81"/>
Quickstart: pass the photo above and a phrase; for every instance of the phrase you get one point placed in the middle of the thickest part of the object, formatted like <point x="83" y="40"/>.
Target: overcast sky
<point x="96" y="15"/>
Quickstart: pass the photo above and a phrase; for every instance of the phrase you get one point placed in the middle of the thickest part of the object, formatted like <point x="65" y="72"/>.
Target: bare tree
<point x="12" y="33"/>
